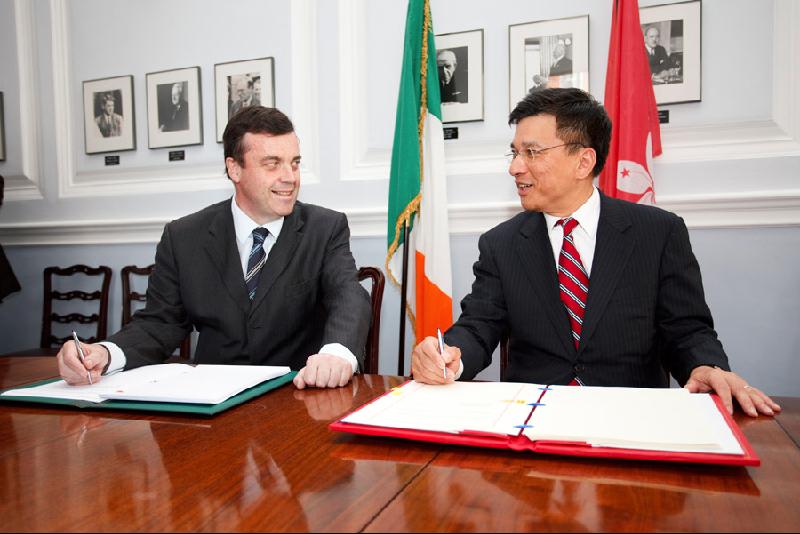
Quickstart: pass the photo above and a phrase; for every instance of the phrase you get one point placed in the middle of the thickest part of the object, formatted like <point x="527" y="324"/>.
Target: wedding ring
<point x="748" y="387"/>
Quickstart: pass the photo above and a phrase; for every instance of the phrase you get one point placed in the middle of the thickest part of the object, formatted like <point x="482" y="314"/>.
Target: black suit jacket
<point x="178" y="118"/>
<point x="561" y="67"/>
<point x="308" y="294"/>
<point x="645" y="309"/>
<point x="659" y="60"/>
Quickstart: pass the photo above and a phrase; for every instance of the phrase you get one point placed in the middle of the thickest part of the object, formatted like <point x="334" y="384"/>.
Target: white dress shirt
<point x="584" y="236"/>
<point x="243" y="226"/>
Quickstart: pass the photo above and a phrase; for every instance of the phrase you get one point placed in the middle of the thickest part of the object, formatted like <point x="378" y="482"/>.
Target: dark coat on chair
<point x="645" y="310"/>
<point x="308" y="294"/>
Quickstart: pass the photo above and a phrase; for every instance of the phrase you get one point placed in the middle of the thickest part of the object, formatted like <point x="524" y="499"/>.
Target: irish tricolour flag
<point x="418" y="184"/>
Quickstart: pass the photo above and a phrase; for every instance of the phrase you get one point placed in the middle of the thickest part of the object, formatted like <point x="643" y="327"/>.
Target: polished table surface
<point x="271" y="464"/>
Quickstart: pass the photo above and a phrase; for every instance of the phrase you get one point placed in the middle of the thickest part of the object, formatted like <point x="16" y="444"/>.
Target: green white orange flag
<point x="418" y="183"/>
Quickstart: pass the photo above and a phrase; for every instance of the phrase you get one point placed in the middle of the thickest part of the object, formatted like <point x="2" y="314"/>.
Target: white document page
<point x="493" y="407"/>
<point x="636" y="418"/>
<point x="201" y="384"/>
<point x="725" y="438"/>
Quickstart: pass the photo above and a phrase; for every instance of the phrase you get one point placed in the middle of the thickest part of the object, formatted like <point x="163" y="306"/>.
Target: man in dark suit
<point x="561" y="64"/>
<point x="656" y="54"/>
<point x="610" y="301"/>
<point x="109" y="122"/>
<point x="248" y="92"/>
<point x="177" y="117"/>
<point x="451" y="82"/>
<point x="264" y="279"/>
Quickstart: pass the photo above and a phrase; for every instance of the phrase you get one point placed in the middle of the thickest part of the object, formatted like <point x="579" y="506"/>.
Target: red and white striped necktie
<point x="573" y="280"/>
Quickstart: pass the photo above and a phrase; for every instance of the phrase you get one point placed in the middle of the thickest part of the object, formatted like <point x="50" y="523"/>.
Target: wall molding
<point x="733" y="210"/>
<point x="305" y="95"/>
<point x="777" y="137"/>
<point x="26" y="186"/>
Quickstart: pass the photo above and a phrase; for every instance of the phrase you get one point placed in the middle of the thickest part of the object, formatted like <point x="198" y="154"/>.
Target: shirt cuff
<point x="117" y="362"/>
<point x="460" y="370"/>
<point x="337" y="349"/>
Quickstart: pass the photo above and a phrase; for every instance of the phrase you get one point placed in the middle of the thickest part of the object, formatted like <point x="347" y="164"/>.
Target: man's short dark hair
<point x="252" y="119"/>
<point x="579" y="118"/>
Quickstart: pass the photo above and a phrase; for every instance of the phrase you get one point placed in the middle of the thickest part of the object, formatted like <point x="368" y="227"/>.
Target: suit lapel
<point x="221" y="248"/>
<point x="612" y="252"/>
<point x="536" y="254"/>
<point x="280" y="254"/>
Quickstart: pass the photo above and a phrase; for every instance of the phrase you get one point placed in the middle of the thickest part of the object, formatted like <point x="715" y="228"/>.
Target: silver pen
<point x="80" y="354"/>
<point x="441" y="351"/>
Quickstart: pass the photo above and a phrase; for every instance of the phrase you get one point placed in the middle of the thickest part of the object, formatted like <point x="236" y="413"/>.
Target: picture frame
<point x="672" y="38"/>
<point x="240" y="84"/>
<point x="174" y="108"/>
<point x="547" y="53"/>
<point x="459" y="60"/>
<point x="109" y="122"/>
<point x="2" y="129"/>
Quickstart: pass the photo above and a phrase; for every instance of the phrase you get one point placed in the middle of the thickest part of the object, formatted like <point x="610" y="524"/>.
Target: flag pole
<point x="401" y="366"/>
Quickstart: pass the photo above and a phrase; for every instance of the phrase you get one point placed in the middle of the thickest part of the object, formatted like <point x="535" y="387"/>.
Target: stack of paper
<point x="196" y="384"/>
<point x="629" y="418"/>
<point x="638" y="418"/>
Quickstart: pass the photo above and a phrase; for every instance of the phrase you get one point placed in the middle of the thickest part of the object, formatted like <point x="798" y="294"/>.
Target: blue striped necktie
<point x="257" y="260"/>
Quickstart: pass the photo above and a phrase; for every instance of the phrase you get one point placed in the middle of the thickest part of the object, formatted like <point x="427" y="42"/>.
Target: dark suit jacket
<point x="178" y="118"/>
<point x="308" y="294"/>
<point x="561" y="67"/>
<point x="659" y="60"/>
<point x="645" y="305"/>
<point x="455" y="91"/>
<point x="109" y="126"/>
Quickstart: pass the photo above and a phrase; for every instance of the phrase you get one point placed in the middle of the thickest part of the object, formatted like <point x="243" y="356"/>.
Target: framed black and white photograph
<point x="174" y="108"/>
<point x="2" y="130"/>
<point x="671" y="35"/>
<point x="240" y="84"/>
<point x="108" y="120"/>
<point x="459" y="62"/>
<point x="547" y="53"/>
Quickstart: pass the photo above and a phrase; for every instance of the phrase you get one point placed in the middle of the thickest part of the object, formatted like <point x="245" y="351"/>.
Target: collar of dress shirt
<point x="244" y="225"/>
<point x="587" y="215"/>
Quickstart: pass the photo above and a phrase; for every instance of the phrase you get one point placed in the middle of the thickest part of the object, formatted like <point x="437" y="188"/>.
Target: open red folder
<point x="382" y="407"/>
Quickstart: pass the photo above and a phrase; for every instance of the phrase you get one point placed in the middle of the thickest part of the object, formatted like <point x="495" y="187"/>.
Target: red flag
<point x="631" y="104"/>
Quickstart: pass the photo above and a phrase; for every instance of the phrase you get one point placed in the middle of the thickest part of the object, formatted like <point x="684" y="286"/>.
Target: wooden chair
<point x="373" y="337"/>
<point x="49" y="317"/>
<point x="130" y="297"/>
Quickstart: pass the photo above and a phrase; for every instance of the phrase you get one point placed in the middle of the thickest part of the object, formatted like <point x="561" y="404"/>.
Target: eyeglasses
<point x="531" y="153"/>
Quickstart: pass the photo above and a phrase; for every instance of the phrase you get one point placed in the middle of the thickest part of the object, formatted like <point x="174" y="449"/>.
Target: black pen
<point x="80" y="354"/>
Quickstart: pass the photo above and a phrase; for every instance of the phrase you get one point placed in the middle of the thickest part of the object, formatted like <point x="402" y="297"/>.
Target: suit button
<point x="578" y="368"/>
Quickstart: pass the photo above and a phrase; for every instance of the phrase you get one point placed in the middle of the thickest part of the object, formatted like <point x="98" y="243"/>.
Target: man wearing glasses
<point x="587" y="289"/>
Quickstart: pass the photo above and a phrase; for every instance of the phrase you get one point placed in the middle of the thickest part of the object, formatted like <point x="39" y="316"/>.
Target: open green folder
<point x="173" y="407"/>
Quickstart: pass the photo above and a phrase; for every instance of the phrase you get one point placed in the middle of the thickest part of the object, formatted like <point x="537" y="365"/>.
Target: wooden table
<point x="272" y="465"/>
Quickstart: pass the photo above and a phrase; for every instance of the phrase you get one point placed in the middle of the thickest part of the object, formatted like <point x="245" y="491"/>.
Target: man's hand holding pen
<point x="429" y="366"/>
<point x="95" y="359"/>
